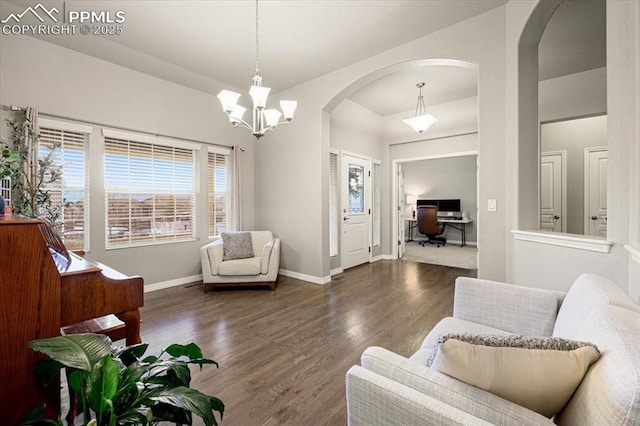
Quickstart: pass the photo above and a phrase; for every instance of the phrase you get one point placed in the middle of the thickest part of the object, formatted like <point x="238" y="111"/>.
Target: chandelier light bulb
<point x="228" y="99"/>
<point x="288" y="109"/>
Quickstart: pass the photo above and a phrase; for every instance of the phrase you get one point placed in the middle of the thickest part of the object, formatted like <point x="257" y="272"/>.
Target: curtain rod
<point x="434" y="139"/>
<point x="15" y="108"/>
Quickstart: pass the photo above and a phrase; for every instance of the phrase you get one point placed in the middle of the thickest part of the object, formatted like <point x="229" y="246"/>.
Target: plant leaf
<point x="188" y="399"/>
<point x="80" y="351"/>
<point x="132" y="353"/>
<point x="191" y="351"/>
<point x="46" y="371"/>
<point x="102" y="384"/>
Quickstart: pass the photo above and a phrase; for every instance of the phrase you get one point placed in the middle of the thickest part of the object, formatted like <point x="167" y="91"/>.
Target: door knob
<point x="556" y="217"/>
<point x="345" y="218"/>
<point x="594" y="217"/>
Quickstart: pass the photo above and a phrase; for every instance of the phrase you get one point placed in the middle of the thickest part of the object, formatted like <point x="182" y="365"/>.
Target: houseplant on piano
<point x="121" y="386"/>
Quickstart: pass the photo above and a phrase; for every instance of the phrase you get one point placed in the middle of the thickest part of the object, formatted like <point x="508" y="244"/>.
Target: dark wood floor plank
<point x="283" y="354"/>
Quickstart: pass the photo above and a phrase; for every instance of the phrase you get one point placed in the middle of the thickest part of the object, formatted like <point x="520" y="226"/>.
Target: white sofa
<point x="389" y="389"/>
<point x="262" y="269"/>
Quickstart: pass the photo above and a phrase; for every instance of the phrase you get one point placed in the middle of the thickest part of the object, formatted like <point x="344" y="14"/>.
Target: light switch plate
<point x="491" y="206"/>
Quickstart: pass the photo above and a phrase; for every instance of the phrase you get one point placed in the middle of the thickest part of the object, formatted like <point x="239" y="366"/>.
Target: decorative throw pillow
<point x="236" y="245"/>
<point x="539" y="373"/>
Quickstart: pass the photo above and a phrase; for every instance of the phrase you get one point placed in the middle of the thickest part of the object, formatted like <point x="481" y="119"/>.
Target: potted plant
<point x="122" y="386"/>
<point x="32" y="168"/>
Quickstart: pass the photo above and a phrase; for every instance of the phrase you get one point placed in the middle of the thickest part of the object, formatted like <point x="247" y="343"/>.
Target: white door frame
<point x="563" y="183"/>
<point x="586" y="185"/>
<point x="367" y="206"/>
<point x="394" y="196"/>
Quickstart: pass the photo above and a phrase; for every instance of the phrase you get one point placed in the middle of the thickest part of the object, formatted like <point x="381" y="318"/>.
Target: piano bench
<point x="108" y="325"/>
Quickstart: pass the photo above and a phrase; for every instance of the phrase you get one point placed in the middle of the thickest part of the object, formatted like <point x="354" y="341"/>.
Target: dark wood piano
<point x="42" y="289"/>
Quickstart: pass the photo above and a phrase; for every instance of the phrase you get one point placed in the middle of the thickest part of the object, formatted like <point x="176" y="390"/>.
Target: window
<point x="218" y="190"/>
<point x="150" y="190"/>
<point x="375" y="214"/>
<point x="70" y="192"/>
<point x="333" y="204"/>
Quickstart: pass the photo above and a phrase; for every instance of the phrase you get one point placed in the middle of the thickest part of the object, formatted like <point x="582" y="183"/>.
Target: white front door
<point x="401" y="222"/>
<point x="356" y="211"/>
<point x="552" y="192"/>
<point x="595" y="191"/>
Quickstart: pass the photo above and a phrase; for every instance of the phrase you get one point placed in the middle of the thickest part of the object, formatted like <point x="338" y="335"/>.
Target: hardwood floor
<point x="283" y="354"/>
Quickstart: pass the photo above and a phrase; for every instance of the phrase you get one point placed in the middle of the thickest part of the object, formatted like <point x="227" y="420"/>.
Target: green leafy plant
<point x="121" y="386"/>
<point x="32" y="168"/>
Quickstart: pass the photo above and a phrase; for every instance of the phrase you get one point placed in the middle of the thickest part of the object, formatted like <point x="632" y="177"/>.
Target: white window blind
<point x="375" y="216"/>
<point x="70" y="192"/>
<point x="218" y="191"/>
<point x="334" y="213"/>
<point x="150" y="191"/>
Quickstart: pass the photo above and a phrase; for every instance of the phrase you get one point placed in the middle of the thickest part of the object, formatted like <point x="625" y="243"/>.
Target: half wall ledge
<point x="580" y="242"/>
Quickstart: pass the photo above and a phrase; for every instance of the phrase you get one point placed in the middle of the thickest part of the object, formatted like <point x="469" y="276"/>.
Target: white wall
<point x="446" y="178"/>
<point x="537" y="264"/>
<point x="575" y="95"/>
<point x="573" y="136"/>
<point x="65" y="83"/>
<point x="301" y="150"/>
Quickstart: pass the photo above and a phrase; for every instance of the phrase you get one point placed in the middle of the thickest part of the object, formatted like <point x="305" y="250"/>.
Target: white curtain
<point x="236" y="188"/>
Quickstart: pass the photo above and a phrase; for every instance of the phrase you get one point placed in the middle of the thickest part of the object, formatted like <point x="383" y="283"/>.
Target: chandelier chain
<point x="257" y="42"/>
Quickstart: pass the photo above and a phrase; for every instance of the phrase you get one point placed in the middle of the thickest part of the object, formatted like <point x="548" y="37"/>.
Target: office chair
<point x="428" y="225"/>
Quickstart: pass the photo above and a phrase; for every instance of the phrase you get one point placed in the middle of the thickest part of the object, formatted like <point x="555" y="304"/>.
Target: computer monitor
<point x="449" y="205"/>
<point x="452" y="205"/>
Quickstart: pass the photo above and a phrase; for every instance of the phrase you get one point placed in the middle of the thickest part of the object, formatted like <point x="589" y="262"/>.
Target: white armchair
<point x="262" y="269"/>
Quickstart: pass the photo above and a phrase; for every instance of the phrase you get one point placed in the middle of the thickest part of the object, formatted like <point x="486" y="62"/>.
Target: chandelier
<point x="422" y="121"/>
<point x="263" y="119"/>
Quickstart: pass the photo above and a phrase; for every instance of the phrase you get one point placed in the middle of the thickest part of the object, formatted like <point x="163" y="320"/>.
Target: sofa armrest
<point x="265" y="256"/>
<point x="472" y="400"/>
<point x="516" y="309"/>
<point x="211" y="256"/>
<point x="376" y="400"/>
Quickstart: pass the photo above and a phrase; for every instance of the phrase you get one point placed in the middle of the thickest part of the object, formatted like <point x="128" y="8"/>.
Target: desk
<point x="458" y="224"/>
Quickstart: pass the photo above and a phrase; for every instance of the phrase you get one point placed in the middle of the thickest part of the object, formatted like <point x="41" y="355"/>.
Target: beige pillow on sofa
<point x="542" y="380"/>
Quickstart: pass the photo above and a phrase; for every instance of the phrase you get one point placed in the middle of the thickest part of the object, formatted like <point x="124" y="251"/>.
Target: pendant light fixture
<point x="422" y="121"/>
<point x="263" y="119"/>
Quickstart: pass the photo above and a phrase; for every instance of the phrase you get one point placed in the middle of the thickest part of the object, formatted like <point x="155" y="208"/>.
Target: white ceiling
<point x="201" y="44"/>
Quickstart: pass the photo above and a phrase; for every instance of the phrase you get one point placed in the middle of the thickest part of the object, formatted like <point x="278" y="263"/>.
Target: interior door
<point x="401" y="207"/>
<point x="595" y="191"/>
<point x="551" y="192"/>
<point x="356" y="211"/>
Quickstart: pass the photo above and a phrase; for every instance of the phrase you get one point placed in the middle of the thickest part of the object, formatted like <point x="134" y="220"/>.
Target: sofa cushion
<point x="467" y="398"/>
<point x="542" y="380"/>
<point x="610" y="392"/>
<point x="457" y="326"/>
<point x="250" y="266"/>
<point x="237" y="245"/>
<point x="587" y="293"/>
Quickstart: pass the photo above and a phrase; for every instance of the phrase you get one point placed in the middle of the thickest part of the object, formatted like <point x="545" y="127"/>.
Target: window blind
<point x="333" y="204"/>
<point x="70" y="192"/>
<point x="150" y="192"/>
<point x="375" y="214"/>
<point x="218" y="191"/>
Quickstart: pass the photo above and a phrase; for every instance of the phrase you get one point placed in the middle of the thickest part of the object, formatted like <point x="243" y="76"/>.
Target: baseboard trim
<point x="336" y="271"/>
<point x="304" y="277"/>
<point x="172" y="283"/>
<point x="381" y="257"/>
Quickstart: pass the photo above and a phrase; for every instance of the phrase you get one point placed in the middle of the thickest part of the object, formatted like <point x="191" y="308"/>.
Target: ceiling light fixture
<point x="422" y="121"/>
<point x="263" y="119"/>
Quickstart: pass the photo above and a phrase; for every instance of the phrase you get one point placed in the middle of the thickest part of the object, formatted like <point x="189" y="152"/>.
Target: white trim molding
<point x="172" y="283"/>
<point x="336" y="271"/>
<point x="381" y="257"/>
<point x="580" y="242"/>
<point x="635" y="253"/>
<point x="304" y="277"/>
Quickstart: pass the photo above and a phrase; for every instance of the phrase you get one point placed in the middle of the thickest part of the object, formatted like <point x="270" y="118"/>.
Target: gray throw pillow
<point x="237" y="245"/>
